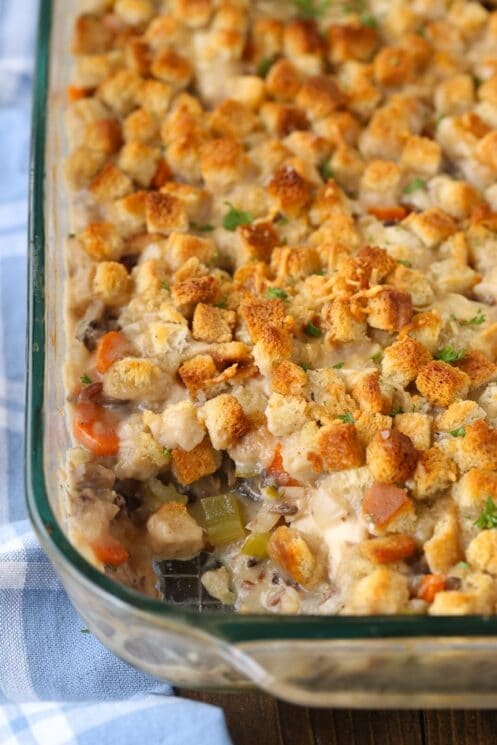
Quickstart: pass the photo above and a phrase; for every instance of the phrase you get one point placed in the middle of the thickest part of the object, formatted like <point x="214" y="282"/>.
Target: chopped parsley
<point x="404" y="262"/>
<point x="234" y="218"/>
<point x="475" y="321"/>
<point x="165" y="285"/>
<point x="414" y="185"/>
<point x="85" y="631"/>
<point x="71" y="235"/>
<point x="463" y="565"/>
<point x="282" y="220"/>
<point x="214" y="258"/>
<point x="304" y="366"/>
<point x="311" y="8"/>
<point x="338" y="365"/>
<point x="376" y="357"/>
<point x="85" y="379"/>
<point x="221" y="303"/>
<point x="166" y="452"/>
<point x="202" y="228"/>
<point x="439" y="118"/>
<point x="396" y="410"/>
<point x="276" y="293"/>
<point x="459" y="432"/>
<point x="346" y="418"/>
<point x="326" y="171"/>
<point x="312" y="330"/>
<point x="264" y="66"/>
<point x="368" y="20"/>
<point x="488" y="516"/>
<point x="449" y="354"/>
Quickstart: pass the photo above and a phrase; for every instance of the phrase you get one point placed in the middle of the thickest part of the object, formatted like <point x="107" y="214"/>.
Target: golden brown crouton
<point x="129" y="213"/>
<point x="172" y="68"/>
<point x="139" y="161"/>
<point x="232" y="119"/>
<point x="383" y="592"/>
<point x="441" y="383"/>
<point x="350" y="42"/>
<point x="443" y="550"/>
<point x="472" y="491"/>
<point x="111" y="283"/>
<point x="342" y="324"/>
<point x="482" y="551"/>
<point x="393" y="66"/>
<point x="259" y="313"/>
<point x="258" y="240"/>
<point x="431" y="226"/>
<point x="110" y="184"/>
<point x="374" y="264"/>
<point x="390" y="309"/>
<point x="181" y="248"/>
<point x="91" y="36"/>
<point x="282" y="119"/>
<point x="289" y="190"/>
<point x="486" y="150"/>
<point x="302" y="37"/>
<point x="459" y="414"/>
<point x="225" y="420"/>
<point x="387" y="507"/>
<point x="120" y="91"/>
<point x="479" y="367"/>
<point x="289" y="379"/>
<point x="173" y="533"/>
<point x="223" y="161"/>
<point x="425" y="328"/>
<point x="369" y="394"/>
<point x="403" y="360"/>
<point x="283" y="80"/>
<point x="195" y="290"/>
<point x="134" y="12"/>
<point x="141" y="126"/>
<point x="104" y="135"/>
<point x="230" y="353"/>
<point x="155" y="96"/>
<point x="101" y="240"/>
<point x="417" y="427"/>
<point x="320" y="96"/>
<point x="391" y="457"/>
<point x="289" y="550"/>
<point x="435" y="472"/>
<point x="294" y="262"/>
<point x="196" y="372"/>
<point x="82" y="165"/>
<point x="478" y="447"/>
<point x="387" y="549"/>
<point x="191" y="466"/>
<point x="133" y="378"/>
<point x="369" y="423"/>
<point x="337" y="448"/>
<point x="272" y="347"/>
<point x="421" y="155"/>
<point x="164" y="213"/>
<point x="212" y="324"/>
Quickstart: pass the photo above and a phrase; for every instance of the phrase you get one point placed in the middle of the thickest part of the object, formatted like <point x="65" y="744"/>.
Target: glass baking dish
<point x="407" y="661"/>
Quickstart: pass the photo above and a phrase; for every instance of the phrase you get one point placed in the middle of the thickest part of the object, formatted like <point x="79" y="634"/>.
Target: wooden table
<point x="257" y="719"/>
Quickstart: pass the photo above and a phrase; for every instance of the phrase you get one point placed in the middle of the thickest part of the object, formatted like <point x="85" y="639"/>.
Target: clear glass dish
<point x="404" y="661"/>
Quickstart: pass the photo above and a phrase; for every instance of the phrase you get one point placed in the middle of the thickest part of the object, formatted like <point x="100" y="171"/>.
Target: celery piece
<point x="158" y="493"/>
<point x="256" y="545"/>
<point x="222" y="519"/>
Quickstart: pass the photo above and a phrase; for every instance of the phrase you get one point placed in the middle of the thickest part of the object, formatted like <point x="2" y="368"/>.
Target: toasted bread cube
<point x="285" y="414"/>
<point x="417" y="427"/>
<point x="390" y="309"/>
<point x="139" y="161"/>
<point x="190" y="466"/>
<point x="391" y="457"/>
<point x="173" y="533"/>
<point x="258" y="311"/>
<point x="154" y="96"/>
<point x="194" y="13"/>
<point x="172" y="68"/>
<point x="196" y="372"/>
<point x="110" y="184"/>
<point x="248" y="90"/>
<point x="442" y="383"/>
<point x="196" y="201"/>
<point x="195" y="290"/>
<point x="455" y="95"/>
<point x="472" y="491"/>
<point x="382" y="592"/>
<point x="403" y="360"/>
<point x="482" y="551"/>
<point x="133" y="378"/>
<point x="374" y="264"/>
<point x="289" y="550"/>
<point x="104" y="135"/>
<point x="212" y="324"/>
<point x="294" y="262"/>
<point x="91" y="36"/>
<point x="369" y="423"/>
<point x="82" y="166"/>
<point x="225" y="420"/>
<point x="134" y="12"/>
<point x="443" y="549"/>
<point x="479" y="367"/>
<point x="351" y="42"/>
<point x="257" y="241"/>
<point x="102" y="241"/>
<point x="425" y="328"/>
<point x="289" y="190"/>
<point x="459" y="414"/>
<point x="421" y="155"/>
<point x="112" y="283"/>
<point x="485" y="150"/>
<point x="289" y="379"/>
<point x="231" y="353"/>
<point x="393" y="66"/>
<point x="140" y="456"/>
<point x="337" y="448"/>
<point x="232" y="119"/>
<point x="342" y="324"/>
<point x="128" y="213"/>
<point x="120" y="91"/>
<point x="389" y="508"/>
<point x="387" y="549"/>
<point x="282" y="119"/>
<point x="141" y="126"/>
<point x="178" y="426"/>
<point x="272" y="347"/>
<point x="432" y="226"/>
<point x="456" y="198"/>
<point x="181" y="248"/>
<point x="369" y="394"/>
<point x="319" y="96"/>
<point x="164" y="214"/>
<point x="223" y="162"/>
<point x="478" y="447"/>
<point x="283" y="80"/>
<point x="380" y="183"/>
<point x="435" y="472"/>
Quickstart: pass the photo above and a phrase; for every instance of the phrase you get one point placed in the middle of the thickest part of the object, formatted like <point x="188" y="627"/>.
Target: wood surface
<point x="257" y="719"/>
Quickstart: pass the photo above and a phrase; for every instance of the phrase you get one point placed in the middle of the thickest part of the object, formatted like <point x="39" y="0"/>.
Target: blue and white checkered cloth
<point x="58" y="686"/>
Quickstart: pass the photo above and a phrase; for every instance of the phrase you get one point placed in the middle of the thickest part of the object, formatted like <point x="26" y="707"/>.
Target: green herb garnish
<point x="376" y="357"/>
<point x="234" y="218"/>
<point x="264" y="66"/>
<point x="460" y="432"/>
<point x="221" y="303"/>
<point x="312" y="330"/>
<point x="166" y="452"/>
<point x="396" y="410"/>
<point x="85" y="631"/>
<point x="475" y="321"/>
<point x="439" y="118"/>
<point x="368" y="20"/>
<point x="202" y="228"/>
<point x="488" y="517"/>
<point x="304" y="366"/>
<point x="165" y="285"/>
<point x="326" y="171"/>
<point x="311" y="8"/>
<point x="346" y="418"/>
<point x="85" y="379"/>
<point x="449" y="354"/>
<point x="276" y="293"/>
<point x="282" y="220"/>
<point x="338" y="365"/>
<point x="414" y="185"/>
<point x="404" y="262"/>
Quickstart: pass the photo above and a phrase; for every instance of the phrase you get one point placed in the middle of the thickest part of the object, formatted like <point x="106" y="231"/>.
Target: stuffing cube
<point x="102" y="241"/>
<point x="342" y="324"/>
<point x="442" y="383"/>
<point x="248" y="90"/>
<point x="417" y="427"/>
<point x="223" y="162"/>
<point x="382" y="592"/>
<point x="181" y="247"/>
<point x="337" y="448"/>
<point x="172" y="68"/>
<point x="285" y="414"/>
<point x="435" y="472"/>
<point x="472" y="491"/>
<point x="173" y="533"/>
<point x="91" y="36"/>
<point x="432" y="226"/>
<point x="141" y="126"/>
<point x="425" y="328"/>
<point x="479" y="367"/>
<point x="458" y="415"/>
<point x="112" y="283"/>
<point x="195" y="290"/>
<point x="443" y="549"/>
<point x="196" y="372"/>
<point x="289" y="190"/>
<point x="388" y="549"/>
<point x="282" y="119"/>
<point x="140" y="456"/>
<point x="178" y="426"/>
<point x="225" y="420"/>
<point x="369" y="394"/>
<point x="289" y="379"/>
<point x="190" y="466"/>
<point x="283" y="80"/>
<point x="392" y="67"/>
<point x="421" y="155"/>
<point x="319" y="96"/>
<point x="134" y="12"/>
<point x="369" y="423"/>
<point x="213" y="325"/>
<point x="403" y="360"/>
<point x="120" y="91"/>
<point x="289" y="550"/>
<point x="390" y="309"/>
<point x="128" y="213"/>
<point x="257" y="241"/>
<point x="391" y="457"/>
<point x="82" y="165"/>
<point x="104" y="134"/>
<point x="164" y="214"/>
<point x="133" y="378"/>
<point x="139" y="161"/>
<point x="482" y="551"/>
<point x="110" y="184"/>
<point x="389" y="508"/>
<point x="351" y="42"/>
<point x="478" y="447"/>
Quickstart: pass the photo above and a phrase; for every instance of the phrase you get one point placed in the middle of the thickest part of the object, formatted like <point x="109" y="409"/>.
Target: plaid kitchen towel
<point x="58" y="686"/>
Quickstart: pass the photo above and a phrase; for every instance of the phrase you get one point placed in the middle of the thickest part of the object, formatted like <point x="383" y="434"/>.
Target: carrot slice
<point x="278" y="473"/>
<point x="75" y="94"/>
<point x="111" y="347"/>
<point x="96" y="429"/>
<point x="389" y="213"/>
<point x="429" y="586"/>
<point x="110" y="551"/>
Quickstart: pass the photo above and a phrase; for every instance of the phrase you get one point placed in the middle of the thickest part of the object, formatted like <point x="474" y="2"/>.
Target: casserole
<point x="309" y="660"/>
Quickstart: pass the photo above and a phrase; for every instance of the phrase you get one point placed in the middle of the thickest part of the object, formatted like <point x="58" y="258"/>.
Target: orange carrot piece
<point x="429" y="586"/>
<point x="278" y="473"/>
<point x="96" y="428"/>
<point x="110" y="551"/>
<point x="111" y="347"/>
<point x="389" y="213"/>
<point x="75" y="94"/>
